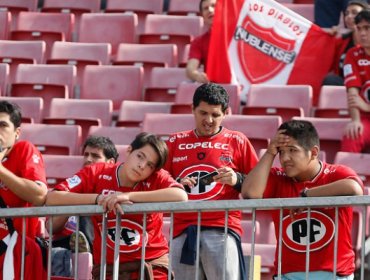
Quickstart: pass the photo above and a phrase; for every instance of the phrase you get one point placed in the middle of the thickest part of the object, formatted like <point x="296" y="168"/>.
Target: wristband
<point x="304" y="192"/>
<point x="239" y="181"/>
<point x="96" y="199"/>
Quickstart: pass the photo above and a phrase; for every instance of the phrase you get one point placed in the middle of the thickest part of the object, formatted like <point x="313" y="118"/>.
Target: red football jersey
<point x="357" y="72"/>
<point x="295" y="232"/>
<point x="102" y="178"/>
<point x="25" y="161"/>
<point x="199" y="48"/>
<point x="191" y="155"/>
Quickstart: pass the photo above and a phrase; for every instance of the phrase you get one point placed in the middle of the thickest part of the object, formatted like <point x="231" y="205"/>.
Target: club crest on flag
<point x="256" y="43"/>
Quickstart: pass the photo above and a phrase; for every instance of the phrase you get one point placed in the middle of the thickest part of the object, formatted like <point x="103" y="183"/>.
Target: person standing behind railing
<point x="193" y="156"/>
<point x="139" y="179"/>
<point x="303" y="175"/>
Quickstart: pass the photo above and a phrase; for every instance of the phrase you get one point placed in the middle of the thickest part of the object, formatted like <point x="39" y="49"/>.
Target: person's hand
<point x="355" y="101"/>
<point x="112" y="202"/>
<point x="201" y="77"/>
<point x="295" y="212"/>
<point x="188" y="181"/>
<point x="354" y="129"/>
<point x="226" y="175"/>
<point x="334" y="30"/>
<point x="279" y="140"/>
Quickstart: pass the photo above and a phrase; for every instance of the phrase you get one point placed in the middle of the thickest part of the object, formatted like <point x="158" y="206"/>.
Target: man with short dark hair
<point x="194" y="156"/>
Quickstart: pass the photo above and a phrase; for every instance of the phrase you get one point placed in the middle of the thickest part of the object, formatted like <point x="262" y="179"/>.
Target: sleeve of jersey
<point x="170" y="145"/>
<point x="81" y="182"/>
<point x="351" y="71"/>
<point x="164" y="180"/>
<point x="195" y="49"/>
<point x="32" y="163"/>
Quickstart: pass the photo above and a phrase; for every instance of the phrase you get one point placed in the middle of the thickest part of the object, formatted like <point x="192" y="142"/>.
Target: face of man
<point x="139" y="165"/>
<point x="363" y="31"/>
<point x="8" y="133"/>
<point x="208" y="118"/>
<point x="208" y="11"/>
<point x="297" y="162"/>
<point x="93" y="155"/>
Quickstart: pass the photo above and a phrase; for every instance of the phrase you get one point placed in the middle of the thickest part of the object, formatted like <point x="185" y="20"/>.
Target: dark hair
<point x="104" y="143"/>
<point x="361" y="3"/>
<point x="363" y="15"/>
<point x="155" y="142"/>
<point x="14" y="112"/>
<point x="200" y="5"/>
<point x="212" y="94"/>
<point x="303" y="132"/>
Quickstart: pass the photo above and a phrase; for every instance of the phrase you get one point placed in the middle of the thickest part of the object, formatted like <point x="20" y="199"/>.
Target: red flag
<point x="262" y="41"/>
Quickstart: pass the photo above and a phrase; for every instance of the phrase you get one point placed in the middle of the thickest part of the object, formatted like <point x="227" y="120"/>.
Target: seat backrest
<point x="134" y="111"/>
<point x="164" y="53"/>
<point x="180" y="7"/>
<point x="108" y="28"/>
<point x="47" y="74"/>
<point x="122" y="151"/>
<point x="46" y="22"/>
<point x="74" y="51"/>
<point x="152" y="6"/>
<point x="4" y="77"/>
<point x="119" y="135"/>
<point x="24" y="5"/>
<point x="359" y="162"/>
<point x="87" y="6"/>
<point x="32" y="107"/>
<point x="174" y="25"/>
<point x="289" y="96"/>
<point x="116" y="82"/>
<point x="5" y="23"/>
<point x="60" y="167"/>
<point x="53" y="139"/>
<point x="82" y="109"/>
<point x="156" y="123"/>
<point x="167" y="77"/>
<point x="32" y="50"/>
<point x="185" y="92"/>
<point x="333" y="97"/>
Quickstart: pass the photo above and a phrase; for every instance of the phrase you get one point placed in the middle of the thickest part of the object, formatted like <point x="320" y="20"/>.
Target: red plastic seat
<point x="53" y="138"/>
<point x="82" y="112"/>
<point x="48" y="27"/>
<point x="60" y="167"/>
<point x="17" y="6"/>
<point x="17" y="52"/>
<point x="359" y="162"/>
<point x="74" y="7"/>
<point x="251" y="127"/>
<point x="330" y="132"/>
<point x="108" y="28"/>
<point x="46" y="81"/>
<point x="115" y="82"/>
<point x="5" y="23"/>
<point x="285" y="100"/>
<point x="184" y="8"/>
<point x="80" y="55"/>
<point x="119" y="135"/>
<point x="140" y="7"/>
<point x="32" y="107"/>
<point x="142" y="55"/>
<point x="155" y="123"/>
<point x="332" y="103"/>
<point x="185" y="92"/>
<point x="122" y="151"/>
<point x="163" y="84"/>
<point x="4" y="76"/>
<point x="132" y="113"/>
<point x="167" y="29"/>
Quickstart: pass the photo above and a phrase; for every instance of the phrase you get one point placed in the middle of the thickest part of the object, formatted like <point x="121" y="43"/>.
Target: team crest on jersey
<point x="132" y="237"/>
<point x="295" y="232"/>
<point x="201" y="191"/>
<point x="73" y="181"/>
<point x="277" y="51"/>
